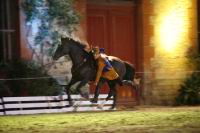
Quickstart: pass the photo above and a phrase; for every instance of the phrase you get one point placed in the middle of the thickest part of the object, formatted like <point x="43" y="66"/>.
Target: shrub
<point x="29" y="79"/>
<point x="189" y="93"/>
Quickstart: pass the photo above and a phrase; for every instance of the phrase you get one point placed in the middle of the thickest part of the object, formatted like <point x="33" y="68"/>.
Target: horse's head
<point x="62" y="49"/>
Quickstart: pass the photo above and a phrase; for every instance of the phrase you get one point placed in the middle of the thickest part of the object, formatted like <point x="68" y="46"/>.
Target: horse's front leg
<point x="70" y="100"/>
<point x="68" y="91"/>
<point x="114" y="98"/>
<point x="112" y="92"/>
<point x="79" y="86"/>
<point x="84" y="94"/>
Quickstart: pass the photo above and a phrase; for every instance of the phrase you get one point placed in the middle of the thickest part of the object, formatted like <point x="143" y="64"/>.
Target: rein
<point x="85" y="59"/>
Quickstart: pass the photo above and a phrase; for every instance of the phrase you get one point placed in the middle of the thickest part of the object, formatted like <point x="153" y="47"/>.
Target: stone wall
<point x="169" y="30"/>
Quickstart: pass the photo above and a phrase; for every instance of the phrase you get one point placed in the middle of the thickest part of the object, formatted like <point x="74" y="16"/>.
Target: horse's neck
<point x="77" y="57"/>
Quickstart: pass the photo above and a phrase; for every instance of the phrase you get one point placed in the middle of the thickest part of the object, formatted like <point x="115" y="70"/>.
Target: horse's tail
<point x="130" y="72"/>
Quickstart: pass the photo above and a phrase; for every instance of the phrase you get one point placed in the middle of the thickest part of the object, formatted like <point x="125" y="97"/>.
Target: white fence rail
<point x="49" y="104"/>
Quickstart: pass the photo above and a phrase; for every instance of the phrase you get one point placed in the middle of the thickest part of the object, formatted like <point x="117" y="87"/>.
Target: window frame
<point x="9" y="31"/>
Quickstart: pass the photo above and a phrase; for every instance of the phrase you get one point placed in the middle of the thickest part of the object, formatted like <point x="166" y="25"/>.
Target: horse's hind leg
<point x="134" y="84"/>
<point x="112" y="92"/>
<point x="128" y="83"/>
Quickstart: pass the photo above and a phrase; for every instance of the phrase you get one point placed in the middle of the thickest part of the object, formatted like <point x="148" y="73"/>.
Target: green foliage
<point x="189" y="93"/>
<point x="51" y="14"/>
<point x="30" y="9"/>
<point x="4" y="90"/>
<point x="26" y="80"/>
<point x="62" y="10"/>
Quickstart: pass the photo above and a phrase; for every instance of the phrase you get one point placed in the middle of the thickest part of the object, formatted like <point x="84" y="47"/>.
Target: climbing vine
<point x="49" y="20"/>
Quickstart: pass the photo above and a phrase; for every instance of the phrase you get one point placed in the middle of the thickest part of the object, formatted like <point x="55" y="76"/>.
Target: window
<point x="9" y="30"/>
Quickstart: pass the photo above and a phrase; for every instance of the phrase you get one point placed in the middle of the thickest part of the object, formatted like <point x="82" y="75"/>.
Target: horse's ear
<point x="63" y="40"/>
<point x="91" y="47"/>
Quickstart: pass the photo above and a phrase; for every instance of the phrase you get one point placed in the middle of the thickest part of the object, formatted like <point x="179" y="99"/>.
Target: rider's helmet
<point x="101" y="50"/>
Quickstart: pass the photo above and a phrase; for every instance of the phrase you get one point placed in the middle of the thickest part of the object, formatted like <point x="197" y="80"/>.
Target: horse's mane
<point x="77" y="42"/>
<point x="81" y="46"/>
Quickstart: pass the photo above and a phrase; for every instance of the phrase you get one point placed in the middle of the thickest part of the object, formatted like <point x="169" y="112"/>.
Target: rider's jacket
<point x="105" y="69"/>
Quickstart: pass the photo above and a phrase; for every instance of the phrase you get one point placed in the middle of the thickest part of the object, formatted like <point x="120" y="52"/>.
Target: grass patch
<point x="165" y="120"/>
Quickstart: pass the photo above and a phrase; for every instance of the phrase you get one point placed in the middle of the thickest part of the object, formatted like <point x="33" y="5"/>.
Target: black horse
<point x="84" y="69"/>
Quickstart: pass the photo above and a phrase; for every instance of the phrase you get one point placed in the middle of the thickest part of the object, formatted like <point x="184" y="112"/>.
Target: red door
<point x="113" y="28"/>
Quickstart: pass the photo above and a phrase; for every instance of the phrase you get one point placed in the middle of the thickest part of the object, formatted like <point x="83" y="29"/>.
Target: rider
<point x="105" y="70"/>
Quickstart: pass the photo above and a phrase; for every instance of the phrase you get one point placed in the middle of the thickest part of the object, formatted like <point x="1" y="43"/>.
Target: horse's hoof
<point x="77" y="103"/>
<point x="84" y="95"/>
<point x="112" y="108"/>
<point x="93" y="100"/>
